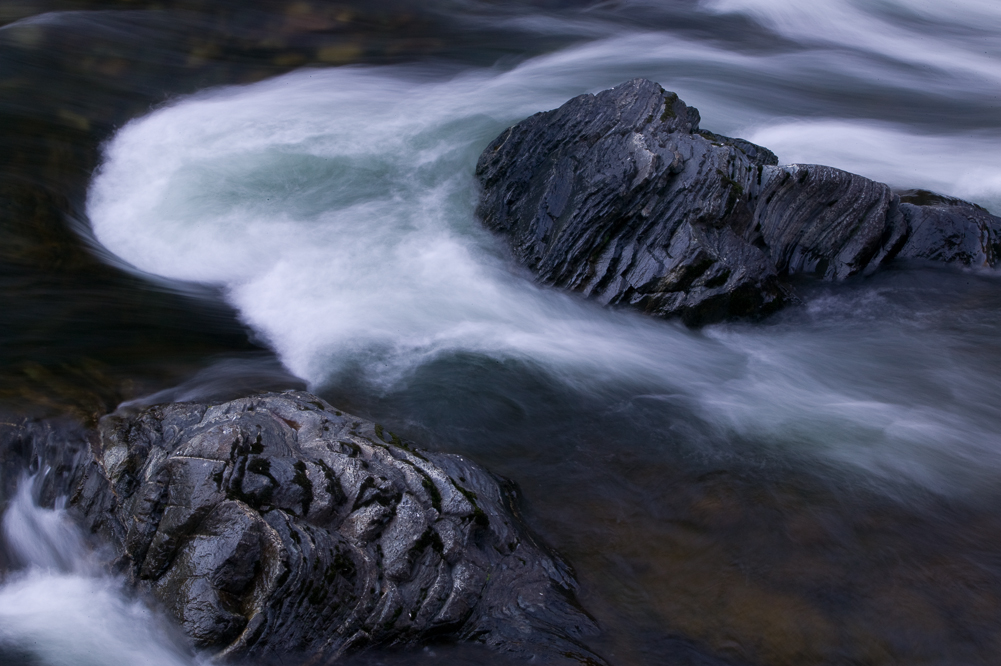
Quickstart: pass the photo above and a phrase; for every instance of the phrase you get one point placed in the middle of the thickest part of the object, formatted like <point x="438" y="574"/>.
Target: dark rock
<point x="276" y="525"/>
<point x="617" y="196"/>
<point x="949" y="230"/>
<point x="757" y="154"/>
<point x="826" y="222"/>
<point x="622" y="197"/>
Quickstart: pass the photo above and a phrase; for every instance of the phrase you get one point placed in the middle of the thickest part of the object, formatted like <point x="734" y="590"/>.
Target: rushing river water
<point x="817" y="488"/>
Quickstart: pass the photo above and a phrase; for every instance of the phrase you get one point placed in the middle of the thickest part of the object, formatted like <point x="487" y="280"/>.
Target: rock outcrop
<point x="620" y="196"/>
<point x="277" y="525"/>
<point x="949" y="230"/>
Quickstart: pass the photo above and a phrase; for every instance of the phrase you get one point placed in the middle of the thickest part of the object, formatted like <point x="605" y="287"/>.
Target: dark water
<point x="818" y="488"/>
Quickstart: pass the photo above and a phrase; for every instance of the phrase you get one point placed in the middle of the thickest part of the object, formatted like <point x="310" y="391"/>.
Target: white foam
<point x="73" y="620"/>
<point x="335" y="207"/>
<point x="40" y="538"/>
<point x="60" y="610"/>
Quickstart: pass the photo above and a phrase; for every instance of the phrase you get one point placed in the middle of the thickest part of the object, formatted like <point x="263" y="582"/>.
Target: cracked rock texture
<point x="622" y="197"/>
<point x="275" y="525"/>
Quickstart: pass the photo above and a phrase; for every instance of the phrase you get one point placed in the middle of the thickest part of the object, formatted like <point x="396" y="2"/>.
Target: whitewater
<point x="336" y="209"/>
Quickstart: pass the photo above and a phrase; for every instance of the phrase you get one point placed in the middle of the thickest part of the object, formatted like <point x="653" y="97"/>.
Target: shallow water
<point x="816" y="488"/>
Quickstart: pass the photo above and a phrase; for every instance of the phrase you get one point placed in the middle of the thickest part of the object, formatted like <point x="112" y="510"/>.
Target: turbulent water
<point x="334" y="207"/>
<point x="60" y="609"/>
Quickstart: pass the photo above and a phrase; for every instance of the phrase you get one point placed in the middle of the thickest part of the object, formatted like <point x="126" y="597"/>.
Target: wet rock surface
<point x="276" y="524"/>
<point x="622" y="197"/>
<point x="950" y="230"/>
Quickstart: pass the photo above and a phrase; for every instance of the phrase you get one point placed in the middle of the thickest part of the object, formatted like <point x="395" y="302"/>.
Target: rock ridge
<point x="277" y="525"/>
<point x="621" y="196"/>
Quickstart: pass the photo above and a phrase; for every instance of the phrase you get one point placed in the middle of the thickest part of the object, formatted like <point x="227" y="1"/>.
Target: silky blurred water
<point x="815" y="488"/>
<point x="60" y="609"/>
<point x="335" y="208"/>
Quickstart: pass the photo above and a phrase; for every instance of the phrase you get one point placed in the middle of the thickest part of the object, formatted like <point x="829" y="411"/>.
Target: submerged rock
<point x="275" y="525"/>
<point x="620" y="196"/>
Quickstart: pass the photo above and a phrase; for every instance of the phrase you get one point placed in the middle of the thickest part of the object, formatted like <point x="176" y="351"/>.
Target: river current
<point x="819" y="487"/>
